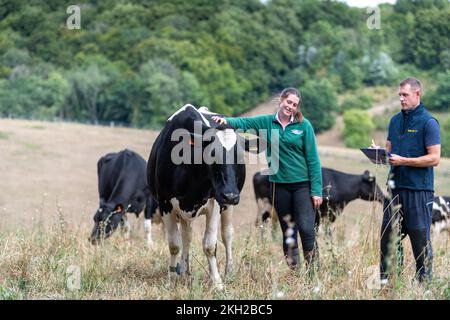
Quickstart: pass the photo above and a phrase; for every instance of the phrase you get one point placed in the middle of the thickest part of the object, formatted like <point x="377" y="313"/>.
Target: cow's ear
<point x="368" y="176"/>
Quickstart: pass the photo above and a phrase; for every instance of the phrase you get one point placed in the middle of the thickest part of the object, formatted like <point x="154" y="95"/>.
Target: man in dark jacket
<point x="414" y="143"/>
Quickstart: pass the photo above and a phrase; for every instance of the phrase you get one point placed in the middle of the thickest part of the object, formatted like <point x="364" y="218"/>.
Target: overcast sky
<point x="366" y="3"/>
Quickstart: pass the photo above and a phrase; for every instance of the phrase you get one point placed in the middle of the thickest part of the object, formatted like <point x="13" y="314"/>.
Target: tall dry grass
<point x="39" y="264"/>
<point x="49" y="196"/>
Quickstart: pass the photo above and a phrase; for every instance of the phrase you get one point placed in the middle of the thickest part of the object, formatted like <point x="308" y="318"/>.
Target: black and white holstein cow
<point x="339" y="189"/>
<point x="186" y="183"/>
<point x="441" y="215"/>
<point x="122" y="188"/>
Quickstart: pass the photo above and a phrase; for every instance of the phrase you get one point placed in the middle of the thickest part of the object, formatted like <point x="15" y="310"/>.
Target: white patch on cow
<point x="227" y="138"/>
<point x="187" y="215"/>
<point x="205" y="110"/>
<point x="147" y="223"/>
<point x="445" y="205"/>
<point x="184" y="108"/>
<point x="439" y="226"/>
<point x="264" y="205"/>
<point x="148" y="231"/>
<point x="126" y="227"/>
<point x="179" y="111"/>
<point x="204" y="119"/>
<point x="442" y="209"/>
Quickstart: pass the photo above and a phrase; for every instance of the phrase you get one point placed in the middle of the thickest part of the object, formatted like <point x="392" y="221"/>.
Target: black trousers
<point x="296" y="214"/>
<point x="415" y="221"/>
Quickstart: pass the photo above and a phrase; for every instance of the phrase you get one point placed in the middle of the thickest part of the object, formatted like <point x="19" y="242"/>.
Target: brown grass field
<point x="49" y="195"/>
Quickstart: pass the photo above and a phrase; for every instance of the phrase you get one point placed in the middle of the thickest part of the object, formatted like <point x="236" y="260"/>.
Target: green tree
<point x="350" y="74"/>
<point x="445" y="138"/>
<point x="358" y="128"/>
<point x="30" y="94"/>
<point x="163" y="90"/>
<point x="380" y="70"/>
<point x="88" y="84"/>
<point x="357" y="101"/>
<point x="439" y="100"/>
<point x="319" y="104"/>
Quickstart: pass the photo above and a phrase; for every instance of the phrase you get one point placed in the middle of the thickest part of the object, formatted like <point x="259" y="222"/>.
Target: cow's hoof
<point x="229" y="271"/>
<point x="219" y="286"/>
<point x="176" y="269"/>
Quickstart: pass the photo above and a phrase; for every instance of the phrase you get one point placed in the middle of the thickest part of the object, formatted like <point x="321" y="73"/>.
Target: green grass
<point x="4" y="135"/>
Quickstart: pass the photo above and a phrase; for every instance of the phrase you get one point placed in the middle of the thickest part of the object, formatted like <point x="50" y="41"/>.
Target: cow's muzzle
<point x="231" y="198"/>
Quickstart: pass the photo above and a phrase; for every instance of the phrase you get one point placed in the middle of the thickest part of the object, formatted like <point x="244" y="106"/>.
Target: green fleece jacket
<point x="298" y="155"/>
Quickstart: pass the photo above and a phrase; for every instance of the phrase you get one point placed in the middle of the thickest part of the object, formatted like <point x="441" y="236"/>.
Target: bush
<point x="381" y="122"/>
<point x="358" y="128"/>
<point x="380" y="69"/>
<point x="445" y="138"/>
<point x="359" y="101"/>
<point x="439" y="100"/>
<point x="319" y="104"/>
<point x="350" y="75"/>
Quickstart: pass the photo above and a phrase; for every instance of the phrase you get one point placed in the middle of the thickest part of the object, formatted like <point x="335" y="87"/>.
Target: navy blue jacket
<point x="407" y="136"/>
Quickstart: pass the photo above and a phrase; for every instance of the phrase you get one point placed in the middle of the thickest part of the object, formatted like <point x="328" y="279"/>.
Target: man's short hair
<point x="413" y="82"/>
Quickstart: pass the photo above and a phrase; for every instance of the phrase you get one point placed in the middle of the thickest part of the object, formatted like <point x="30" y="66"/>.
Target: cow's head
<point x="221" y="152"/>
<point x="106" y="220"/>
<point x="223" y="157"/>
<point x="369" y="188"/>
<point x="227" y="170"/>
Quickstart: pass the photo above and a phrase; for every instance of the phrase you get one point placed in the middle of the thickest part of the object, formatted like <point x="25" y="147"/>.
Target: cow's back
<point x="122" y="177"/>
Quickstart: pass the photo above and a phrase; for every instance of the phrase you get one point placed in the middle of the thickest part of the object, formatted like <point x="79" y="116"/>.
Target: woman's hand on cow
<point x="219" y="120"/>
<point x="317" y="201"/>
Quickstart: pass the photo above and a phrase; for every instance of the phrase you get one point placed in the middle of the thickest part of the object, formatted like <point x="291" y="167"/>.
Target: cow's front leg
<point x="210" y="241"/>
<point x="126" y="227"/>
<point x="148" y="231"/>
<point x="186" y="237"/>
<point x="227" y="237"/>
<point x="173" y="238"/>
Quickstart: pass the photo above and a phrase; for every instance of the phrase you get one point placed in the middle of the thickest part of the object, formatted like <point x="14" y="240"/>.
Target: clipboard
<point x="376" y="155"/>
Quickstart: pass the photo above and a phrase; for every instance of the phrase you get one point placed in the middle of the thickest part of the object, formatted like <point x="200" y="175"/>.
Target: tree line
<point x="135" y="62"/>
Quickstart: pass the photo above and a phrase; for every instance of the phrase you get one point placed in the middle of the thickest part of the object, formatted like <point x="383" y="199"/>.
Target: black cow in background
<point x="339" y="189"/>
<point x="122" y="188"/>
<point x="441" y="215"/>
